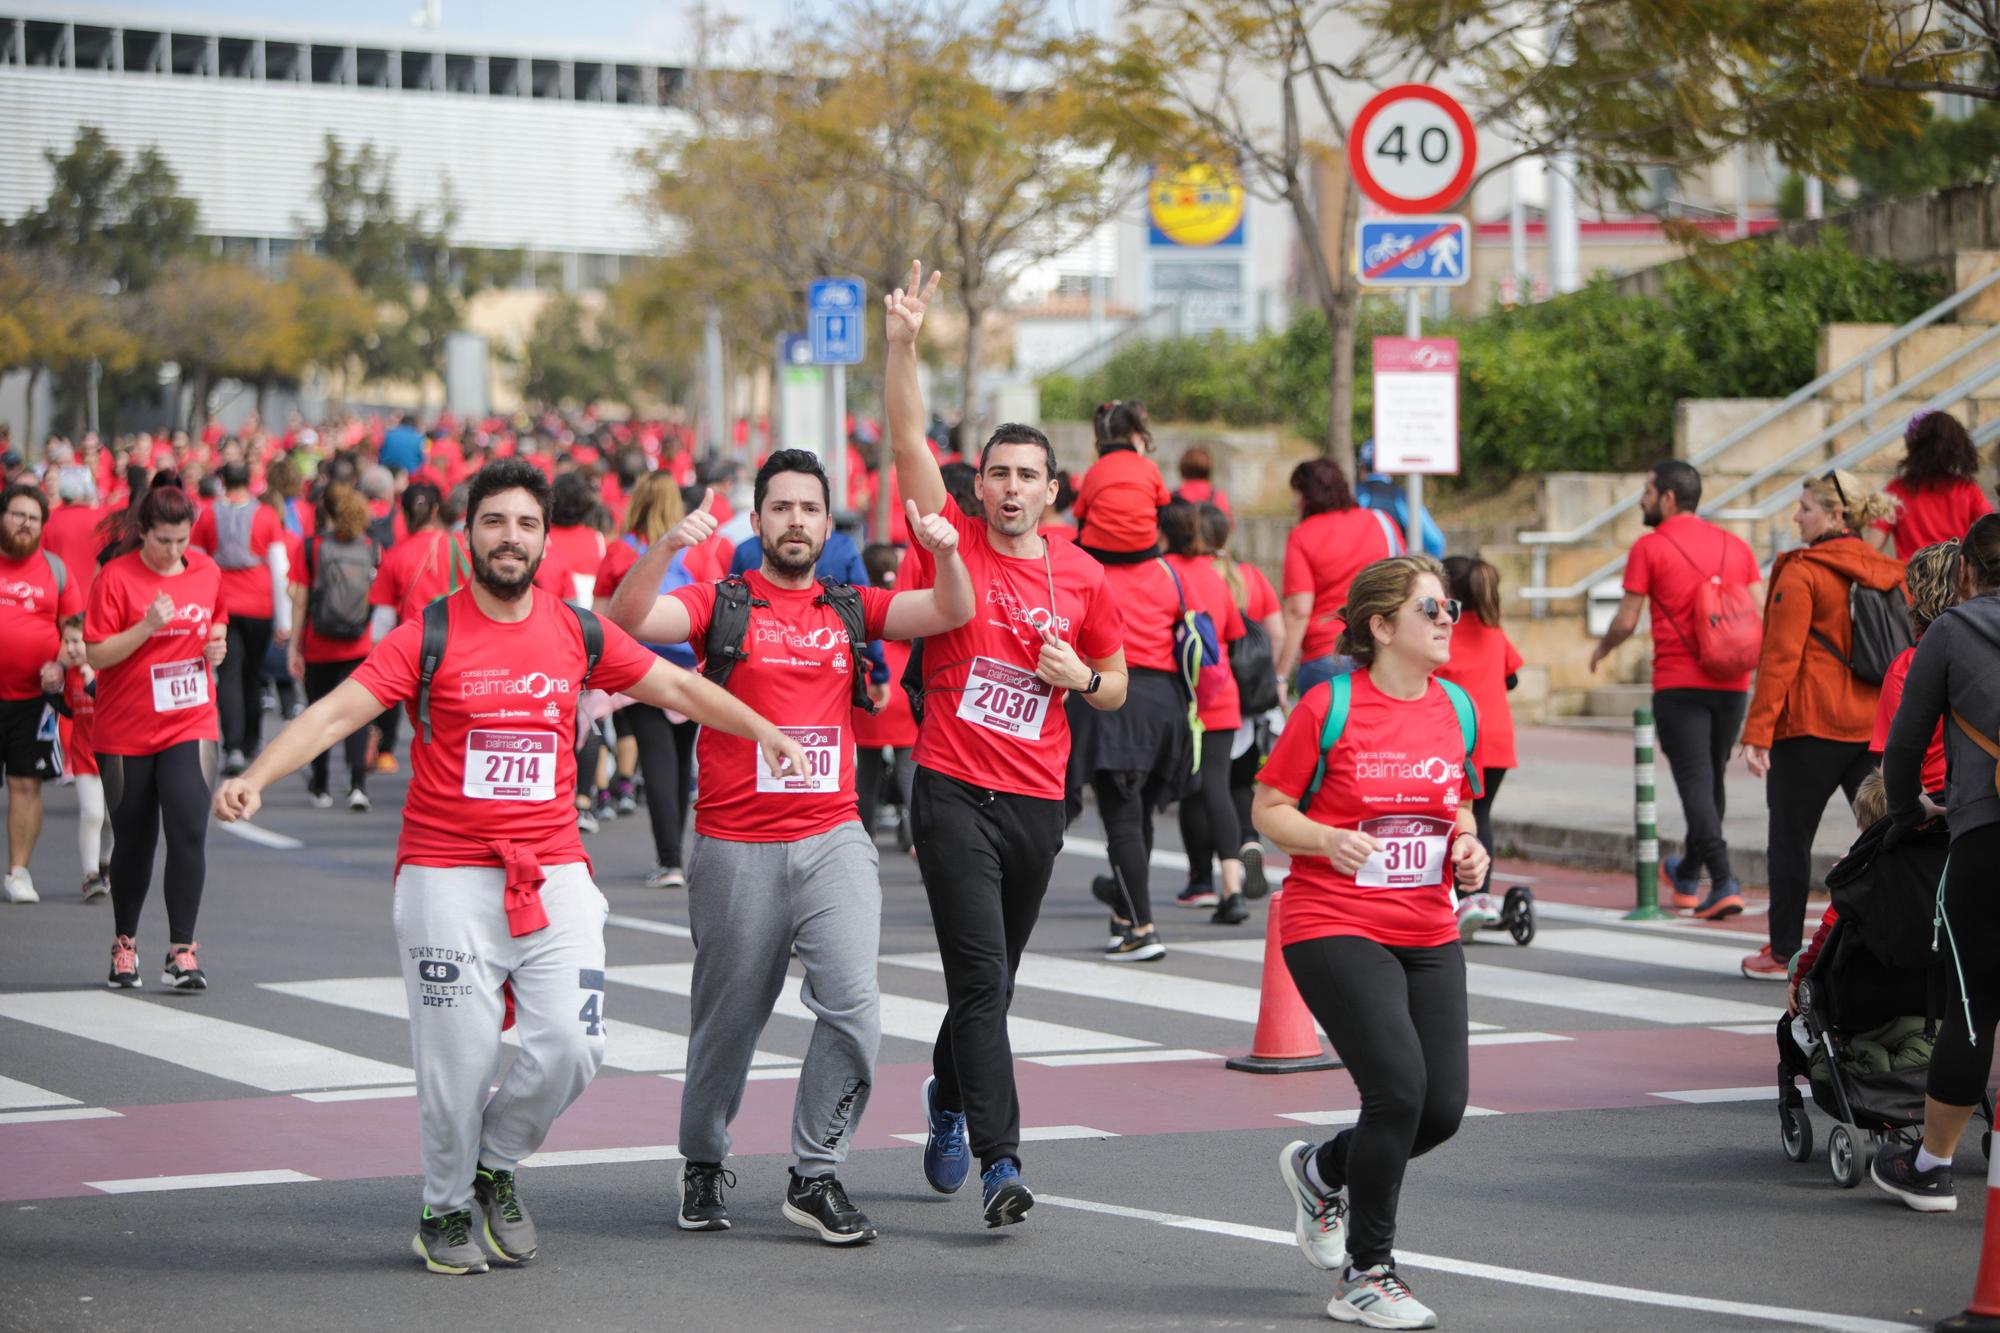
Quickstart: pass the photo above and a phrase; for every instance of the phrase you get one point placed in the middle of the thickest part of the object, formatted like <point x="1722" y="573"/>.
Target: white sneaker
<point x="1476" y="912"/>
<point x="1319" y="1221"/>
<point x="20" y="886"/>
<point x="586" y="822"/>
<point x="1378" y="1298"/>
<point x="322" y="800"/>
<point x="357" y="801"/>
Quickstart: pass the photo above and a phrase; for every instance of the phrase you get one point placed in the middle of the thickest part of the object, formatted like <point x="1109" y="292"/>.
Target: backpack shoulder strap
<point x="437" y="621"/>
<point x="58" y="569"/>
<point x="1983" y="741"/>
<point x="1340" y="694"/>
<point x="845" y="599"/>
<point x="593" y="641"/>
<point x="1389" y="533"/>
<point x="728" y="627"/>
<point x="1468" y="729"/>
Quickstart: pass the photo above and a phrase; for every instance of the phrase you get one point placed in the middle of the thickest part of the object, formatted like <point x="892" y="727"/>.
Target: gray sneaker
<point x="445" y="1243"/>
<point x="1319" y="1221"/>
<point x="510" y="1232"/>
<point x="1380" y="1299"/>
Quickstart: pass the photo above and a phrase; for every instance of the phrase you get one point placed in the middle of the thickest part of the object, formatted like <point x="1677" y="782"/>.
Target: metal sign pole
<point x="1413" y="484"/>
<point x="836" y="464"/>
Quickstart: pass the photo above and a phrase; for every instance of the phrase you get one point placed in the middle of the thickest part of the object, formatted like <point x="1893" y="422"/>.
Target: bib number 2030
<point x="1004" y="698"/>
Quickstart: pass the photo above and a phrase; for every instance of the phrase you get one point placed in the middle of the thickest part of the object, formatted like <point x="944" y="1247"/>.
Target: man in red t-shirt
<point x="799" y="836"/>
<point x="992" y="750"/>
<point x="493" y="889"/>
<point x="37" y="590"/>
<point x="1699" y="716"/>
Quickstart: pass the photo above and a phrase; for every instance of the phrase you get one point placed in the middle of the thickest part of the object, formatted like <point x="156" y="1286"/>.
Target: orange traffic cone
<point x="1984" y="1311"/>
<point x="1286" y="1041"/>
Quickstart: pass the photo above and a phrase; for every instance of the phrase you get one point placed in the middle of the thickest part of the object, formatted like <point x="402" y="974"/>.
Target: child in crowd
<point x="1118" y="502"/>
<point x="1485" y="662"/>
<point x="79" y="704"/>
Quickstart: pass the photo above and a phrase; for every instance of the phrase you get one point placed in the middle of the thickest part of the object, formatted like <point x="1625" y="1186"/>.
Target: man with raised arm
<point x="987" y="807"/>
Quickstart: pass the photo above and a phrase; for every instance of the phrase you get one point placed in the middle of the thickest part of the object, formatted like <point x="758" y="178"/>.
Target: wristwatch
<point x="1095" y="681"/>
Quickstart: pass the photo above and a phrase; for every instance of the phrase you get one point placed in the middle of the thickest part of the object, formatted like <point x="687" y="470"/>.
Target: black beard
<point x="774" y="556"/>
<point x="507" y="590"/>
<point x="1653" y="517"/>
<point x="18" y="547"/>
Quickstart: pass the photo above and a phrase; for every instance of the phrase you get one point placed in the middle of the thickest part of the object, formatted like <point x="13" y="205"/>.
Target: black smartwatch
<point x="1095" y="681"/>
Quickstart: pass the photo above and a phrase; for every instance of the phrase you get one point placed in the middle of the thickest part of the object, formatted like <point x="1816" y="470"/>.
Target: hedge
<point x="1584" y="382"/>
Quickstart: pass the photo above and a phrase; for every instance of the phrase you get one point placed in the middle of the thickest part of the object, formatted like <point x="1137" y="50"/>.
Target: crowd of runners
<point x="562" y="622"/>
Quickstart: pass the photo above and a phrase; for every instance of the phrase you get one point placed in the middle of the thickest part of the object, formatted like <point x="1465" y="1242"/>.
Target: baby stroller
<point x="1874" y="974"/>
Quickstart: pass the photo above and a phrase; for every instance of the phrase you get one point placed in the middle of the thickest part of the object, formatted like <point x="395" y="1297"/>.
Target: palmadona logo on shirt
<point x="1399" y="768"/>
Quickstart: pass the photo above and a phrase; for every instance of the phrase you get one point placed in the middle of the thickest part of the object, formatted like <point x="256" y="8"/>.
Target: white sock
<point x="1312" y="1174"/>
<point x="1926" y="1162"/>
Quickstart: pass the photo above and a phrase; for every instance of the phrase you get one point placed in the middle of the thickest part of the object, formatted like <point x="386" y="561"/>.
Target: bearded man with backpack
<point x="1703" y="584"/>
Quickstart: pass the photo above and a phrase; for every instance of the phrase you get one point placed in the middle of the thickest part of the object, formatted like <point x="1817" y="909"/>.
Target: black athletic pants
<point x="1482" y="815"/>
<point x="985" y="858"/>
<point x="1128" y="839"/>
<point x="1805" y="773"/>
<point x="144" y="793"/>
<point x="322" y="678"/>
<point x="1396" y="1018"/>
<point x="666" y="762"/>
<point x="1212" y="822"/>
<point x="239" y="684"/>
<point x="869" y="767"/>
<point x="1963" y="1057"/>
<point x="1197" y="836"/>
<point x="1697" y="729"/>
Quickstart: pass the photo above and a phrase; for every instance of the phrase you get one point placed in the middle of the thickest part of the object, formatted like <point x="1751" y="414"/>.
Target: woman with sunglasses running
<point x="1379" y="826"/>
<point x="1811" y="717"/>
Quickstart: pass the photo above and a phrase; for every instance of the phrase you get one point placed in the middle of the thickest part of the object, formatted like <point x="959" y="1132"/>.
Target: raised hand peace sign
<point x="906" y="305"/>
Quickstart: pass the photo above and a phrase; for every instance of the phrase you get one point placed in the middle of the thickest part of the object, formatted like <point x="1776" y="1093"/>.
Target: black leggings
<point x="1963" y="1057"/>
<point x="322" y="678"/>
<point x="666" y="762"/>
<point x="1396" y="1018"/>
<point x="869" y="766"/>
<point x="1128" y="836"/>
<point x="143" y="793"/>
<point x="239" y="684"/>
<point x="1209" y="816"/>
<point x="1805" y="772"/>
<point x="1196" y="834"/>
<point x="1482" y="815"/>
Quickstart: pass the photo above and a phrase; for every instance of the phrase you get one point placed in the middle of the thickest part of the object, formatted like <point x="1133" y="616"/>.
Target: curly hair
<point x="1380" y="590"/>
<point x="1841" y="494"/>
<point x="1937" y="450"/>
<point x="1933" y="583"/>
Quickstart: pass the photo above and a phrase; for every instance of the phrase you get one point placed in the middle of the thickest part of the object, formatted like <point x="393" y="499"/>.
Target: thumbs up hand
<point x="697" y="527"/>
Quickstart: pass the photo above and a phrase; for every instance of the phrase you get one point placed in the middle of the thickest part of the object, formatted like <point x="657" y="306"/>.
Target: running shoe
<point x="357" y="800"/>
<point x="384" y="763"/>
<point x="445" y="1243"/>
<point x="181" y="970"/>
<point x="1319" y="1221"/>
<point x="510" y="1232"/>
<point x="945" y="1159"/>
<point x="1133" y="947"/>
<point x="1379" y="1298"/>
<point x="702" y="1206"/>
<point x="1231" y="911"/>
<point x="1255" y="886"/>
<point x="1761" y="966"/>
<point x="19" y="886"/>
<point x="1894" y="1171"/>
<point x="1476" y="912"/>
<point x="95" y="887"/>
<point x="586" y="822"/>
<point x="1198" y="893"/>
<point x="124" y="964"/>
<point x="820" y="1203"/>
<point x="666" y="877"/>
<point x="1118" y="929"/>
<point x="623" y="799"/>
<point x="605" y="810"/>
<point x="234" y="763"/>
<point x="1723" y="900"/>
<point x="322" y="800"/>
<point x="1683" y="893"/>
<point x="1003" y="1194"/>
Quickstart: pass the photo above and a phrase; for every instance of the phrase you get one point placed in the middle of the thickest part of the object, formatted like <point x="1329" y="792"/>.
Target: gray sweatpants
<point x="750" y="904"/>
<point x="451" y="933"/>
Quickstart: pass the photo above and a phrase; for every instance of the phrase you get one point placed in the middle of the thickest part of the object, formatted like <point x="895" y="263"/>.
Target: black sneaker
<point x="1133" y="947"/>
<point x="182" y="971"/>
<point x="702" y="1208"/>
<point x="1198" y="893"/>
<point x="1894" y="1171"/>
<point x="820" y="1204"/>
<point x="1255" y="886"/>
<point x="1231" y="911"/>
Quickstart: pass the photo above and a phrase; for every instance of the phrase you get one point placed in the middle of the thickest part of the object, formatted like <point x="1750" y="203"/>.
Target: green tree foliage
<point x="569" y="358"/>
<point x="107" y="215"/>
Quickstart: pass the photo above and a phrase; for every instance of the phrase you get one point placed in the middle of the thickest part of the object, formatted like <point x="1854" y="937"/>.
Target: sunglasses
<point x="1430" y="607"/>
<point x="1834" y="477"/>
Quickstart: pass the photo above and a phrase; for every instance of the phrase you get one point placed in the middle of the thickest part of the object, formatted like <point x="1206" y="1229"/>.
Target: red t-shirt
<point x="1397" y="773"/>
<point x="799" y="675"/>
<point x="31" y="616"/>
<point x="417" y="570"/>
<point x="78" y="729"/>
<point x="502" y="756"/>
<point x="1202" y="492"/>
<point x="1933" y="514"/>
<point x="582" y="550"/>
<point x="1260" y="599"/>
<point x="1482" y="658"/>
<point x="1669" y="565"/>
<point x="618" y="562"/>
<point x="71" y="533"/>
<point x="1118" y="502"/>
<point x="164" y="693"/>
<point x="313" y="646"/>
<point x="1885" y="714"/>
<point x="1218" y="701"/>
<point x="987" y="719"/>
<point x="1062" y="532"/>
<point x="1150" y="607"/>
<point x="245" y="592"/>
<point x="896" y="724"/>
<point x="1322" y="556"/>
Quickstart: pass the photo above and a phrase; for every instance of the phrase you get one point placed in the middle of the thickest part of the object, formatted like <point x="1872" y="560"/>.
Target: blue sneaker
<point x="945" y="1159"/>
<point x="1684" y="895"/>
<point x="1007" y="1196"/>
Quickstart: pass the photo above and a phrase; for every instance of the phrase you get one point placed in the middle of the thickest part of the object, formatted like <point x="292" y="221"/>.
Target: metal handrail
<point x="1863" y="361"/>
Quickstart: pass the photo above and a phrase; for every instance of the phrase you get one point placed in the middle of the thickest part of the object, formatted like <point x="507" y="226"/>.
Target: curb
<point x="1597" y="849"/>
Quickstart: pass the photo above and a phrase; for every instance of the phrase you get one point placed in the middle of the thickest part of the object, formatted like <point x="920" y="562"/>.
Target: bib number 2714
<point x="510" y="765"/>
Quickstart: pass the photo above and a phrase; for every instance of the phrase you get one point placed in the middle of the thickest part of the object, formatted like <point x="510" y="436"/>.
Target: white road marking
<point x="649" y="927"/>
<point x="1035" y="1134"/>
<point x="902" y="1016"/>
<point x="235" y="1052"/>
<point x="263" y="837"/>
<point x="1348" y="1117"/>
<point x="212" y="1180"/>
<point x="1608" y="998"/>
<point x="356" y="1094"/>
<point x="1704" y="1096"/>
<point x="15" y="1093"/>
<point x="1163" y="857"/>
<point x="772" y="1075"/>
<point x="1835" y="1323"/>
<point x="1514" y="1038"/>
<point x="57" y="1113"/>
<point x="1685" y="927"/>
<point x="1723" y="959"/>
<point x="598" y="1156"/>
<point x="1118" y="1058"/>
<point x="1747" y="1029"/>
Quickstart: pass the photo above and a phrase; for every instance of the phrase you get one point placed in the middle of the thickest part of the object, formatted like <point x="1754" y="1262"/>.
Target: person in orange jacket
<point x="1810" y="716"/>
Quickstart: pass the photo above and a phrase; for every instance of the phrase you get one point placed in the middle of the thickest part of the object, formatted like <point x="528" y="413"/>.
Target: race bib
<point x="510" y="765"/>
<point x="179" y="685"/>
<point x="1411" y="854"/>
<point x="822" y="747"/>
<point x="1008" y="699"/>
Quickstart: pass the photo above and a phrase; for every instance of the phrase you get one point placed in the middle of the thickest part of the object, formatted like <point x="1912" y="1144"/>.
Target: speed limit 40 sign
<point x="1413" y="149"/>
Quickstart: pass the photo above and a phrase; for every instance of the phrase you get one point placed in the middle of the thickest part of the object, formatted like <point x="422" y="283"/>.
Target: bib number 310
<point x="1411" y="852"/>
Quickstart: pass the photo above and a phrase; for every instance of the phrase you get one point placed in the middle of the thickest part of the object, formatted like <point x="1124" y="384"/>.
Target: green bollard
<point x="1646" y="817"/>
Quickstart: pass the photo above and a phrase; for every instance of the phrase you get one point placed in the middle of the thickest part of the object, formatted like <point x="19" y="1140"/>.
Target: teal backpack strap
<point x="1468" y="727"/>
<point x="1340" y="691"/>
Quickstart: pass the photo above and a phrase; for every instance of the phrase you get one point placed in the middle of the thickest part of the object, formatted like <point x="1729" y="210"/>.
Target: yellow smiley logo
<point x="1196" y="205"/>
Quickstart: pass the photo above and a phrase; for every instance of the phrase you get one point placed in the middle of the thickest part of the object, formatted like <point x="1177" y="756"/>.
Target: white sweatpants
<point x="451" y="933"/>
<point x="90" y="823"/>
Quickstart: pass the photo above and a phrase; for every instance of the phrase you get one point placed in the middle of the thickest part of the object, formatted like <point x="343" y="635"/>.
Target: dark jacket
<point x="1957" y="667"/>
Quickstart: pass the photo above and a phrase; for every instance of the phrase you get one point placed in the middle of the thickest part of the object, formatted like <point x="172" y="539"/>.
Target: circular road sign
<point x="1413" y="149"/>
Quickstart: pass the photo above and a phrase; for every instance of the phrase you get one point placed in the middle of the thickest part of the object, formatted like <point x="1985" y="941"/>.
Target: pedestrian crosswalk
<point x="1071" y="1011"/>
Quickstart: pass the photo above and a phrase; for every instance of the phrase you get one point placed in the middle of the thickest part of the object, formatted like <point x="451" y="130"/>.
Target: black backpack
<point x="338" y="575"/>
<point x="1255" y="668"/>
<point x="1881" y="621"/>
<point x="729" y="628"/>
<point x="437" y="623"/>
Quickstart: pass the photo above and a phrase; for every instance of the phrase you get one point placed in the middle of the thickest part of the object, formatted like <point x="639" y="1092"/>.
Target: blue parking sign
<point x="836" y="315"/>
